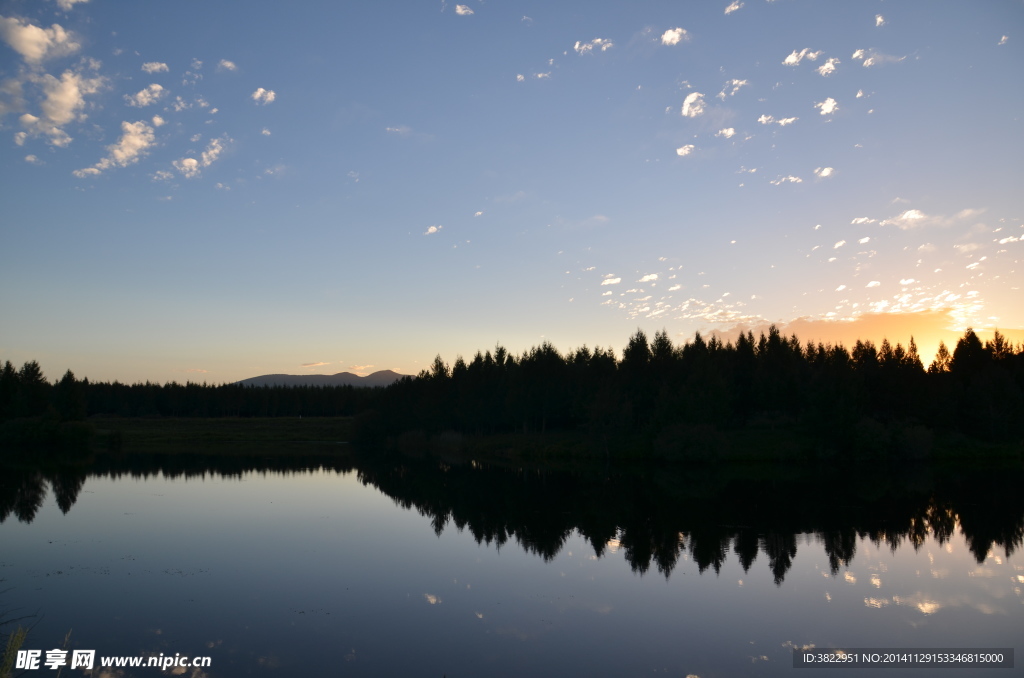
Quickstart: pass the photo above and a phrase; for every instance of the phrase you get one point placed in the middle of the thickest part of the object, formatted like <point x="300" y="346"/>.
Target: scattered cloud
<point x="158" y="121"/>
<point x="735" y="85"/>
<point x="541" y="76"/>
<point x="226" y="65"/>
<point x="36" y="44"/>
<point x="828" y="106"/>
<point x="685" y="150"/>
<point x="824" y="172"/>
<point x="907" y="220"/>
<point x="265" y="132"/>
<point x="520" y="77"/>
<point x="674" y="36"/>
<point x="871" y="57"/>
<point x="829" y="67"/>
<point x="839" y="244"/>
<point x="840" y="288"/>
<point x="768" y="120"/>
<point x="264" y="96"/>
<point x="727" y="132"/>
<point x="601" y="44"/>
<point x="314" y="364"/>
<point x="786" y="180"/>
<point x="463" y="10"/>
<point x="191" y="168"/>
<point x="66" y="5"/>
<point x="145" y="97"/>
<point x="64" y="99"/>
<point x="33" y="160"/>
<point x="196" y="370"/>
<point x="432" y="229"/>
<point x="879" y="20"/>
<point x="135" y="142"/>
<point x="1002" y="40"/>
<point x="648" y="278"/>
<point x="360" y="368"/>
<point x="736" y="4"/>
<point x="865" y="240"/>
<point x="155" y="67"/>
<point x="796" y="57"/>
<point x="611" y="281"/>
<point x="478" y="214"/>
<point x="693" y="105"/>
<point x="863" y="220"/>
<point x="874" y="283"/>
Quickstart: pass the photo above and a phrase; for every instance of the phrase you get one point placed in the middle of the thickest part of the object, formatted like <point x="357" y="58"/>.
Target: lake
<point x="374" y="565"/>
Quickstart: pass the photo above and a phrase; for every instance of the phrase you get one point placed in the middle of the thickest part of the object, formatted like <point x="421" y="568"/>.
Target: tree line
<point x="677" y="400"/>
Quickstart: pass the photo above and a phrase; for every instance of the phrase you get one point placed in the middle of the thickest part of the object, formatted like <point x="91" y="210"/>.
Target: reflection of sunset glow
<point x="876" y="581"/>
<point x="432" y="599"/>
<point x="918" y="601"/>
<point x="613" y="545"/>
<point x="876" y="603"/>
<point x="850" y="579"/>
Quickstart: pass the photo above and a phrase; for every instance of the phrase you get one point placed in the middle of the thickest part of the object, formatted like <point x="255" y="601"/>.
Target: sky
<point x="209" y="191"/>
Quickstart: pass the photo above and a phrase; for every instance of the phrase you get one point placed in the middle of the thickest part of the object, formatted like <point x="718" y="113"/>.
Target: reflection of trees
<point x="655" y="517"/>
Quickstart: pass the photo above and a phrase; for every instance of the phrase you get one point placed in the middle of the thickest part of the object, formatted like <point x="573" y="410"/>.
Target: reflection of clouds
<point x="849" y="578"/>
<point x="431" y="598"/>
<point x="876" y="581"/>
<point x="919" y="602"/>
<point x="876" y="603"/>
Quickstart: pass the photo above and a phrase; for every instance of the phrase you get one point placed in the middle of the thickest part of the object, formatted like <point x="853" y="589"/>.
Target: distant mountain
<point x="381" y="378"/>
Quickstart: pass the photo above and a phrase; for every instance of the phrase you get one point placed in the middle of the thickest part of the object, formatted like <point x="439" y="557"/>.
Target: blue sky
<point x="210" y="191"/>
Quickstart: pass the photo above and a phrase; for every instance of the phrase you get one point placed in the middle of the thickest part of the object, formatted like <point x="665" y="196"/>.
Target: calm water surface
<point x="425" y="569"/>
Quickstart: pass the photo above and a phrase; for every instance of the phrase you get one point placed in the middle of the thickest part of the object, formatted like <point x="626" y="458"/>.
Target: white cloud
<point x="727" y="132"/>
<point x="192" y="167"/>
<point x="432" y="229"/>
<point x="829" y="67"/>
<point x="824" y="172"/>
<point x="463" y="10"/>
<point x="158" y="121"/>
<point x="33" y="160"/>
<point x="1002" y="40"/>
<point x="693" y="105"/>
<point x="66" y="5"/>
<point x="155" y="67"/>
<point x="675" y="287"/>
<point x="478" y="214"/>
<point x="839" y="244"/>
<point x="64" y="99"/>
<point x="674" y="36"/>
<point x="37" y="44"/>
<point x="871" y="57"/>
<point x="736" y="4"/>
<point x="864" y="241"/>
<point x="145" y="97"/>
<point x="520" y="77"/>
<point x="649" y="277"/>
<point x="907" y="220"/>
<point x="601" y="44"/>
<point x="860" y="93"/>
<point x="874" y="283"/>
<point x="541" y="76"/>
<point x="767" y="120"/>
<point x="401" y="130"/>
<point x="611" y="281"/>
<point x="879" y="20"/>
<point x="863" y="220"/>
<point x="735" y="85"/>
<point x="162" y="175"/>
<point x="685" y="150"/>
<point x="226" y="65"/>
<point x="135" y="142"/>
<point x="265" y="132"/>
<point x="264" y="96"/>
<point x="786" y="180"/>
<point x="840" y="288"/>
<point x="907" y="281"/>
<point x="796" y="57"/>
<point x="828" y="106"/>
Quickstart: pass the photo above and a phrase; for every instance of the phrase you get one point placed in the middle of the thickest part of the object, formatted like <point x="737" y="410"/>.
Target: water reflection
<point x="655" y="517"/>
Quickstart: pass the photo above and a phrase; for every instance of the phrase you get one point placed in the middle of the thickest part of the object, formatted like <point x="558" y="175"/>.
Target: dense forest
<point x="670" y="401"/>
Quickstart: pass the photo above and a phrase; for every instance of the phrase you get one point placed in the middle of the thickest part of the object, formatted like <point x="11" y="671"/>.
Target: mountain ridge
<point x="376" y="379"/>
